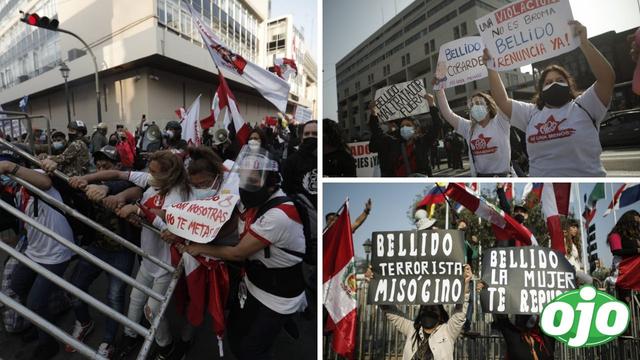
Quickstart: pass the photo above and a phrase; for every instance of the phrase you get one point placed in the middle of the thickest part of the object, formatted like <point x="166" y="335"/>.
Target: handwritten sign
<point x="401" y="100"/>
<point x="527" y="31"/>
<point x="201" y="220"/>
<point x="460" y="62"/>
<point x="417" y="267"/>
<point x="303" y="114"/>
<point x="367" y="164"/>
<point x="522" y="280"/>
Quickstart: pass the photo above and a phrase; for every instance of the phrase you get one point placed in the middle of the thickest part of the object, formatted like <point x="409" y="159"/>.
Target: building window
<point x="460" y="89"/>
<point x="346" y="92"/>
<point x="426" y="48"/>
<point x="463" y="29"/>
<point x="432" y="45"/>
<point x="456" y="32"/>
<point x="403" y="61"/>
<point x="357" y="85"/>
<point x="408" y="59"/>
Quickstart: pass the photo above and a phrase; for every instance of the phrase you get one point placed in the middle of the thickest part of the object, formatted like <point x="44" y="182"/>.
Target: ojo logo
<point x="585" y="317"/>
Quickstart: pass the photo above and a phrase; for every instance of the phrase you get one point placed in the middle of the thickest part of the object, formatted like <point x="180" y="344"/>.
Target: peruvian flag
<point x="233" y="121"/>
<point x="272" y="88"/>
<point x="614" y="205"/>
<point x="284" y="68"/>
<point x="189" y="120"/>
<point x="555" y="202"/>
<point x="204" y="287"/>
<point x="504" y="226"/>
<point x="339" y="282"/>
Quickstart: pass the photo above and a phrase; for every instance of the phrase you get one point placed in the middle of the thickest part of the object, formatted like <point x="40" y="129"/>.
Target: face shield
<point x="252" y="167"/>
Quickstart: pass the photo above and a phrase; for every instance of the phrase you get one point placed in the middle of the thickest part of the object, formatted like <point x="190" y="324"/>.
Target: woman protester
<point x="337" y="159"/>
<point x="486" y="133"/>
<point x="562" y="126"/>
<point x="624" y="241"/>
<point x="405" y="152"/>
<point x="432" y="334"/>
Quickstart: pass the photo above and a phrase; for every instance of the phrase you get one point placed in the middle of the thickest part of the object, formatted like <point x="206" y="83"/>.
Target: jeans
<point x="139" y="299"/>
<point x="85" y="274"/>
<point x="253" y="329"/>
<point x="36" y="289"/>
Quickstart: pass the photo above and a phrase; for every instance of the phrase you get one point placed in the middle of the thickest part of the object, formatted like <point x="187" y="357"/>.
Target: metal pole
<point x="49" y="328"/>
<point x="94" y="225"/>
<point x="66" y="95"/>
<point x="80" y="251"/>
<point x="163" y="307"/>
<point x="95" y="65"/>
<point x="64" y="284"/>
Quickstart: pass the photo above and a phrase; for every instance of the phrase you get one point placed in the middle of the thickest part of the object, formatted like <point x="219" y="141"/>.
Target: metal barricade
<point x="57" y="333"/>
<point x="14" y="118"/>
<point x="377" y="339"/>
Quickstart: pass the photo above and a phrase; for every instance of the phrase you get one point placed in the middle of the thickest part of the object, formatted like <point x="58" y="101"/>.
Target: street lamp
<point x="367" y="249"/>
<point x="64" y="70"/>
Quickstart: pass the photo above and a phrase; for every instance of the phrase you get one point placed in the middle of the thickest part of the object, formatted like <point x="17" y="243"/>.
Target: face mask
<point x="43" y="138"/>
<point x="478" y="112"/>
<point x="72" y="137"/>
<point x="113" y="142"/>
<point x="309" y="144"/>
<point x="153" y="182"/>
<point x="252" y="199"/>
<point x="57" y="145"/>
<point x="170" y="134"/>
<point x="254" y="144"/>
<point x="556" y="94"/>
<point x="406" y="132"/>
<point x="201" y="194"/>
<point x="519" y="218"/>
<point x="429" y="320"/>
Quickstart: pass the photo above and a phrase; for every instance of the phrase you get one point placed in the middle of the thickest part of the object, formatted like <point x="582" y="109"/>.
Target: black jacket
<point x="388" y="146"/>
<point x="299" y="173"/>
<point x="338" y="163"/>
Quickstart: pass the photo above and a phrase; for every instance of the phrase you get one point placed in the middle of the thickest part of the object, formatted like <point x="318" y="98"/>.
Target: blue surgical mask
<point x="57" y="145"/>
<point x="478" y="112"/>
<point x="407" y="132"/>
<point x="202" y="194"/>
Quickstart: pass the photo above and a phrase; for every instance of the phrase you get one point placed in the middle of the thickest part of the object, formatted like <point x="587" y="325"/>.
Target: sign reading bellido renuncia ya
<point x="417" y="267"/>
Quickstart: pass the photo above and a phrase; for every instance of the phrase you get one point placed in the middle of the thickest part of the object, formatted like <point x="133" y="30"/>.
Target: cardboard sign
<point x="527" y="31"/>
<point x="200" y="220"/>
<point x="14" y="128"/>
<point x="401" y="100"/>
<point x="460" y="62"/>
<point x="367" y="164"/>
<point x="522" y="280"/>
<point x="417" y="267"/>
<point x="303" y="114"/>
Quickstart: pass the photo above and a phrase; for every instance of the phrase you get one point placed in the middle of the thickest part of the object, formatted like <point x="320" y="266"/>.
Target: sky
<point x="343" y="30"/>
<point x="391" y="202"/>
<point x="305" y="18"/>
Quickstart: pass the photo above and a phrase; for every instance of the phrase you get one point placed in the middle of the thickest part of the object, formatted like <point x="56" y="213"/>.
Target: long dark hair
<point x="628" y="229"/>
<point x="203" y="159"/>
<point x="332" y="135"/>
<point x="573" y="93"/>
<point x="443" y="317"/>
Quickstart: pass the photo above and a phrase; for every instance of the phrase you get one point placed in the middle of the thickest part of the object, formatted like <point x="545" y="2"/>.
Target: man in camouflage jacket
<point x="74" y="160"/>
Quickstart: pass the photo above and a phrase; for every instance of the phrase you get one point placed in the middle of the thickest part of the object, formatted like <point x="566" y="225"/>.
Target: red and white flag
<point x="284" y="68"/>
<point x="508" y="191"/>
<point x="615" y="205"/>
<point x="272" y="88"/>
<point x="555" y="202"/>
<point x="504" y="226"/>
<point x="223" y="101"/>
<point x="339" y="282"/>
<point x="190" y="122"/>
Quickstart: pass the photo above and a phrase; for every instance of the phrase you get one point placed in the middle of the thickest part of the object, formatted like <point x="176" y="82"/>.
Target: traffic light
<point x="36" y="20"/>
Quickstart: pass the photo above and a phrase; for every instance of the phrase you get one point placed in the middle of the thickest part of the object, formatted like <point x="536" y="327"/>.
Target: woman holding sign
<point x="562" y="125"/>
<point x="486" y="132"/>
<point x="405" y="152"/>
<point x="432" y="334"/>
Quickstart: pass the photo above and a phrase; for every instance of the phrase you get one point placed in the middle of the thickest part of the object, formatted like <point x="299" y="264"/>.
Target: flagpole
<point x="446" y="222"/>
<point x="479" y="195"/>
<point x="615" y="217"/>
<point x="585" y="254"/>
<point x="448" y="206"/>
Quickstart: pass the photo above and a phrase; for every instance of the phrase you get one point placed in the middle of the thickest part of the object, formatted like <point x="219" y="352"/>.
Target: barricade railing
<point x="164" y="299"/>
<point x="377" y="339"/>
<point x="10" y="116"/>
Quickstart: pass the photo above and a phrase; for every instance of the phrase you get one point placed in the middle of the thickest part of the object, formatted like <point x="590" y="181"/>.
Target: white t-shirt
<point x="150" y="242"/>
<point x="276" y="229"/>
<point x="562" y="142"/>
<point x="489" y="146"/>
<point x="42" y="248"/>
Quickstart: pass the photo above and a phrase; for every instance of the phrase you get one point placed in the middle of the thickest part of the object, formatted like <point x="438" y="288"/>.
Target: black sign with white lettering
<point x="417" y="267"/>
<point x="522" y="280"/>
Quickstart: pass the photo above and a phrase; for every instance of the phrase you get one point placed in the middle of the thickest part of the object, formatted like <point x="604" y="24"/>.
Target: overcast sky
<point x="346" y="23"/>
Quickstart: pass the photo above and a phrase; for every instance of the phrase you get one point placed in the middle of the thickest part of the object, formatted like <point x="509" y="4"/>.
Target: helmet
<point x="78" y="125"/>
<point x="108" y="152"/>
<point x="102" y="125"/>
<point x="256" y="169"/>
<point x="173" y="125"/>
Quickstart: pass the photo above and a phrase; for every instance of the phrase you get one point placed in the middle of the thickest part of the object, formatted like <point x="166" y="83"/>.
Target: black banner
<point x="522" y="280"/>
<point x="417" y="267"/>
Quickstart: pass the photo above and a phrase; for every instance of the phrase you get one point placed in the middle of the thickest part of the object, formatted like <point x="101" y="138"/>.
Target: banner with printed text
<point x="201" y="220"/>
<point x="460" y="62"/>
<point x="527" y="31"/>
<point x="522" y="280"/>
<point x="401" y="100"/>
<point x="417" y="267"/>
<point x="367" y="164"/>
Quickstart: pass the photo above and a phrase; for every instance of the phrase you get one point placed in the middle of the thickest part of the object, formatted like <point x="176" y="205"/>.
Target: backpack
<point x="308" y="216"/>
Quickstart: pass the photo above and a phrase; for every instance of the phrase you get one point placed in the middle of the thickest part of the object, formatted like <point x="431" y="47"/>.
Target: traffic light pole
<point x="95" y="64"/>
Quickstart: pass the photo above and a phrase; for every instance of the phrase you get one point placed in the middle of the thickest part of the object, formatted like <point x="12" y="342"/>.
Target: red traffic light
<point x="32" y="19"/>
<point x="36" y="20"/>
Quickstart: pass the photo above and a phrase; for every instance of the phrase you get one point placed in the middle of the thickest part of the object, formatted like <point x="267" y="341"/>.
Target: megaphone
<point x="152" y="139"/>
<point x="220" y="135"/>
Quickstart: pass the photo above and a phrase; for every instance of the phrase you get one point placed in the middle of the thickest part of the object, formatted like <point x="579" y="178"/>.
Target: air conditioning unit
<point x="23" y="78"/>
<point x="75" y="53"/>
